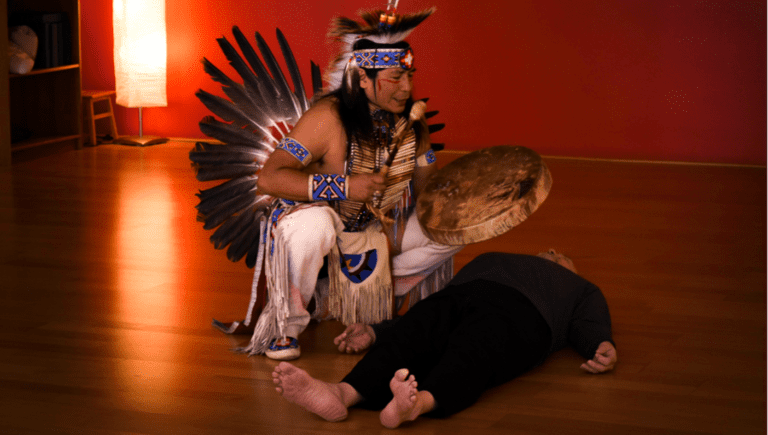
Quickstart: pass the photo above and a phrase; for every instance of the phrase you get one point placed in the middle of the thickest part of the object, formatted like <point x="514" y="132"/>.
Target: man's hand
<point x="362" y="187"/>
<point x="603" y="361"/>
<point x="356" y="338"/>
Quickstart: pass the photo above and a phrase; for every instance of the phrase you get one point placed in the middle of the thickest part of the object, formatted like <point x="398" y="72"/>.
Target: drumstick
<point x="417" y="112"/>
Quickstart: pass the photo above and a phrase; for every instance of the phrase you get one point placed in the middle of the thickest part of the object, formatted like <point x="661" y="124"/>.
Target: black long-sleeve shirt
<point x="574" y="308"/>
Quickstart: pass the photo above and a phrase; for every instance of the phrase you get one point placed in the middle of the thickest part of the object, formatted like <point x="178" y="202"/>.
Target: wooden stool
<point x="90" y="98"/>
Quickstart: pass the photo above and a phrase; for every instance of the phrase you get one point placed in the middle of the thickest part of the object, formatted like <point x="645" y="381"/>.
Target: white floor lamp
<point x="140" y="60"/>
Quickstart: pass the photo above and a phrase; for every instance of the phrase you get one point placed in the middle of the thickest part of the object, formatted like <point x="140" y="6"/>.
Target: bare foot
<point x="408" y="402"/>
<point x="318" y="397"/>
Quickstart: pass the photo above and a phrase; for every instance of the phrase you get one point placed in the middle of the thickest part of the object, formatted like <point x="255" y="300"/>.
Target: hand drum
<point x="483" y="194"/>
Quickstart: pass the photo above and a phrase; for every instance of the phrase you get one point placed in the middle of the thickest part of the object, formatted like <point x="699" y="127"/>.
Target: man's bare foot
<point x="408" y="402"/>
<point x="316" y="396"/>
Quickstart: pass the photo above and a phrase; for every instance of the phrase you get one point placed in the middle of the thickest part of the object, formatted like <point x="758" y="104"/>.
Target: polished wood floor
<point x="109" y="286"/>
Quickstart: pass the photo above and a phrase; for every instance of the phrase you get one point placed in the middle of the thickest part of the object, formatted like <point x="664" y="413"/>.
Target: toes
<point x="401" y="374"/>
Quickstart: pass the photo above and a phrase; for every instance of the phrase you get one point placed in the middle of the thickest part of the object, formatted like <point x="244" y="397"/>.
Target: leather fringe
<point x="368" y="302"/>
<point x="272" y="320"/>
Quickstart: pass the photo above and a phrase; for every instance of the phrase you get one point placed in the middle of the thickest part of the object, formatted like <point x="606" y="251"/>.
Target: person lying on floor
<point x="498" y="318"/>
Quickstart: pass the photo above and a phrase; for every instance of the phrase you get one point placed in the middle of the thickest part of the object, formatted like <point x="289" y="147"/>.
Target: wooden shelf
<point x="45" y="103"/>
<point x="45" y="71"/>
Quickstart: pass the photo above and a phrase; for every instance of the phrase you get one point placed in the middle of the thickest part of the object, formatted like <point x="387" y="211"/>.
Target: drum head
<point x="482" y="195"/>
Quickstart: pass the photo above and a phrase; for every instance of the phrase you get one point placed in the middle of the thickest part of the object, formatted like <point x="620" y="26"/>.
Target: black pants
<point x="458" y="343"/>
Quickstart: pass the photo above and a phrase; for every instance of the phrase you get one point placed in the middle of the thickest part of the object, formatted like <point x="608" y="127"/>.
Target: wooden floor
<point x="109" y="286"/>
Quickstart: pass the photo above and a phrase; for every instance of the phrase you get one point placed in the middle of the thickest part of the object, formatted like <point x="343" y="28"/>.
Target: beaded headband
<point x="379" y="58"/>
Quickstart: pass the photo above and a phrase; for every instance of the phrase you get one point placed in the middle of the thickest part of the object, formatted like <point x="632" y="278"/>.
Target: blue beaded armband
<point x="296" y="149"/>
<point x="426" y="159"/>
<point x="328" y="187"/>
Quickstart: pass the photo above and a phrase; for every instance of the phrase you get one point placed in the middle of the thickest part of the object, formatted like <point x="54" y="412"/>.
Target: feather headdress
<point x="347" y="32"/>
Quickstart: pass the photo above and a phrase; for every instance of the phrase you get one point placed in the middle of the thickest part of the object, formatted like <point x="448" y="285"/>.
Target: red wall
<point x="630" y="79"/>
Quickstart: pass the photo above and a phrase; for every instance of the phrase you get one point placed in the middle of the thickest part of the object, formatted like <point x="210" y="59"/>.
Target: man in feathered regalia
<point x="341" y="195"/>
<point x="345" y="178"/>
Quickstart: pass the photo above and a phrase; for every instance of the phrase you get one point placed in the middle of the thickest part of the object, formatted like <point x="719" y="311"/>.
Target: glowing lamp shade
<point x="140" y="59"/>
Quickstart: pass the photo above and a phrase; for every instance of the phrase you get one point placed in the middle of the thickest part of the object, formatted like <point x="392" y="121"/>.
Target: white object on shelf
<point x="19" y="61"/>
<point x="26" y="38"/>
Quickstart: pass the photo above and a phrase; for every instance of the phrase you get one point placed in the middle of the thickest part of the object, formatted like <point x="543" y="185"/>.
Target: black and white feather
<point x="259" y="110"/>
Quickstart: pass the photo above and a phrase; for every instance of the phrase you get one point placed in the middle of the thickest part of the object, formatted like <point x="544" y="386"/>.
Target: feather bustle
<point x="261" y="86"/>
<point x="317" y="78"/>
<point x="286" y="101"/>
<point x="213" y="173"/>
<point x="230" y="112"/>
<point x="434" y="128"/>
<point x="226" y="210"/>
<point x="234" y="135"/>
<point x="236" y="92"/>
<point x="230" y="229"/>
<point x="240" y="246"/>
<point x="293" y="70"/>
<point x="265" y="83"/>
<point x="221" y="190"/>
<point x="248" y="128"/>
<point x="239" y="186"/>
<point x="210" y="154"/>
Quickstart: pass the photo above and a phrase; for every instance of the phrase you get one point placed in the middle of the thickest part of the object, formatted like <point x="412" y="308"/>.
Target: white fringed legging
<point x="310" y="234"/>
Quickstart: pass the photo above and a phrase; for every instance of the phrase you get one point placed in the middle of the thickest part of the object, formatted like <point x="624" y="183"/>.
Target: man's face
<point x="392" y="88"/>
